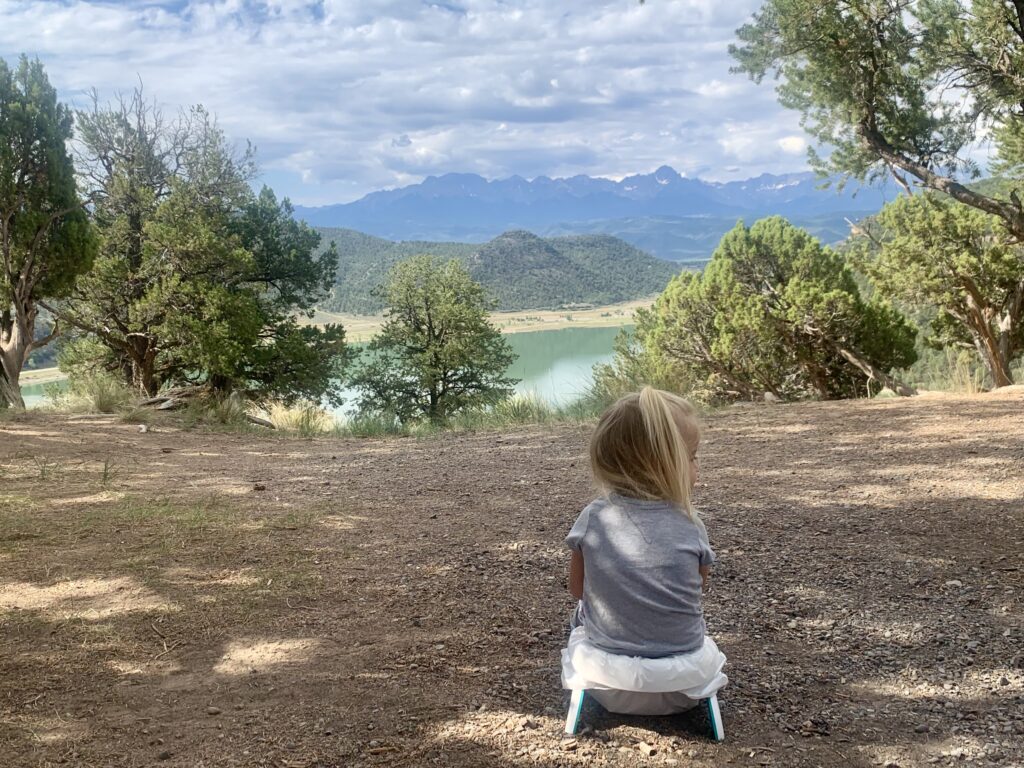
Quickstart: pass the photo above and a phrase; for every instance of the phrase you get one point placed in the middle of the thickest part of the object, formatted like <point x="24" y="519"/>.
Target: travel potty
<point x="633" y="685"/>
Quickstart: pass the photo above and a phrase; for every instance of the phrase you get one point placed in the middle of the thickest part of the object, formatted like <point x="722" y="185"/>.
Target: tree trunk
<point x="998" y="366"/>
<point x="10" y="393"/>
<point x="142" y="352"/>
<point x="992" y="334"/>
<point x="876" y="373"/>
<point x="14" y="348"/>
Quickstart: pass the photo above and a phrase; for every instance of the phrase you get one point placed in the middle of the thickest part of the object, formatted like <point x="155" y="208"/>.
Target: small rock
<point x="165" y="755"/>
<point x="213" y="710"/>
<point x="648" y="749"/>
<point x="570" y="746"/>
<point x="143" y="429"/>
<point x="922" y="728"/>
<point x="954" y="583"/>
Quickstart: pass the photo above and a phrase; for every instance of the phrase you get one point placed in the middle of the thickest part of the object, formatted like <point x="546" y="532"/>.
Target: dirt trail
<point x="203" y="599"/>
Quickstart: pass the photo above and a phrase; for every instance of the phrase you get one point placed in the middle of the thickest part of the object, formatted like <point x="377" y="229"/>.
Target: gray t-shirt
<point x="641" y="583"/>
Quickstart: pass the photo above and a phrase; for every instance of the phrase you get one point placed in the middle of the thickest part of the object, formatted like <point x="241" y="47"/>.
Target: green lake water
<point x="557" y="365"/>
<point x="35" y="394"/>
<point x="554" y="365"/>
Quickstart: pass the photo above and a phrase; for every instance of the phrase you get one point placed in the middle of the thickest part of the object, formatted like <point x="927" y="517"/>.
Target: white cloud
<point x="343" y="97"/>
<point x="793" y="145"/>
<point x="716" y="89"/>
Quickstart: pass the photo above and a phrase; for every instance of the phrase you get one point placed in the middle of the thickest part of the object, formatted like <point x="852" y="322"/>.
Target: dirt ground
<point x="203" y="599"/>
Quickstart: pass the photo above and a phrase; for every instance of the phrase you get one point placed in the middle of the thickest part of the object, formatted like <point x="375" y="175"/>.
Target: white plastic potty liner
<point x="641" y="686"/>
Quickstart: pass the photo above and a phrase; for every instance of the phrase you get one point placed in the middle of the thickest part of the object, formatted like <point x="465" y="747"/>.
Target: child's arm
<point x="705" y="576"/>
<point x="576" y="575"/>
<point x="705" y="568"/>
<point x="574" y="541"/>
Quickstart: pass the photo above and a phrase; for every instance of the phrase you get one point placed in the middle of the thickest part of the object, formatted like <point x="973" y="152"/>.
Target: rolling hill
<point x="520" y="269"/>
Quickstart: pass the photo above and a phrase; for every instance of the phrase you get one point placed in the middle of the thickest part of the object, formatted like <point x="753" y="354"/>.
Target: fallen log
<point x="261" y="422"/>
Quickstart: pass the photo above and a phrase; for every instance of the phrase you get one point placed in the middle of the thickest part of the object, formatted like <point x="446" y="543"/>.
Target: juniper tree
<point x="437" y="354"/>
<point x="929" y="251"/>
<point x="45" y="239"/>
<point x="774" y="311"/>
<point x="198" y="281"/>
<point x="901" y="87"/>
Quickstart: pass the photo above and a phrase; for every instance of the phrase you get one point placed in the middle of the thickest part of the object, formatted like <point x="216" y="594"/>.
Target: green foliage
<point x="437" y="354"/>
<point x="929" y="251"/>
<point x="636" y="363"/>
<point x="45" y="238"/>
<point x="521" y="270"/>
<point x="773" y="312"/>
<point x="198" y="280"/>
<point x="899" y="86"/>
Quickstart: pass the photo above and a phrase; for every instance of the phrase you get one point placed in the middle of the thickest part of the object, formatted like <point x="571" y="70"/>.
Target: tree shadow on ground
<point x="402" y="603"/>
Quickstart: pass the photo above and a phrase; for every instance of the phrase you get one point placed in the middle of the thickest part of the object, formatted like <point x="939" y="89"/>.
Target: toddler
<point x="640" y="559"/>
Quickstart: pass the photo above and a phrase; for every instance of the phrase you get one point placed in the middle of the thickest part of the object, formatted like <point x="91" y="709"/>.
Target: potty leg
<point x="572" y="720"/>
<point x="715" y="718"/>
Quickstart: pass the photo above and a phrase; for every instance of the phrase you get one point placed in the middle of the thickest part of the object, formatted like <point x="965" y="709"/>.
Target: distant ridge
<point x="519" y="269"/>
<point x="669" y="215"/>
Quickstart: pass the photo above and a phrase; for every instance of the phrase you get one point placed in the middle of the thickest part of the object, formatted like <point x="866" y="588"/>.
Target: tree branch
<point x="1012" y="215"/>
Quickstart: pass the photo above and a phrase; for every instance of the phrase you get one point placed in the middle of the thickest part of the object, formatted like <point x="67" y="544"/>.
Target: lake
<point x="553" y="365"/>
<point x="34" y="394"/>
<point x="557" y="366"/>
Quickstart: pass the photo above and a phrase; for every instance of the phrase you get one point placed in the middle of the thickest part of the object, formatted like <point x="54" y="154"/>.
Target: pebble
<point x="648" y="749"/>
<point x="213" y="710"/>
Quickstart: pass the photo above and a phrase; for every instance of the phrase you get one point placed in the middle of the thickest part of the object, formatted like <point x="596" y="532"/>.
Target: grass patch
<point x="96" y="393"/>
<point x="957" y="371"/>
<point x="304" y="420"/>
<point x="17" y="523"/>
<point x="518" y="410"/>
<point x="194" y="516"/>
<point x="369" y="425"/>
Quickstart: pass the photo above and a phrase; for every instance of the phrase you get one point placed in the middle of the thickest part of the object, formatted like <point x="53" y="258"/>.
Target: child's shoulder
<point x="601" y="502"/>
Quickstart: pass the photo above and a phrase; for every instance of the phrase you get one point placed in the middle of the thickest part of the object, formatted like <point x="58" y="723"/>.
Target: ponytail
<point x="639" y="448"/>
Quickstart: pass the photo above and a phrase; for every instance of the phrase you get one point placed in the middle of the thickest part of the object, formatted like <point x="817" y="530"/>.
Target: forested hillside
<point x="519" y="269"/>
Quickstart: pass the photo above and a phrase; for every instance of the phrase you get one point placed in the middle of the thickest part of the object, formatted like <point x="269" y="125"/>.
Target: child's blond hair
<point x="639" y="448"/>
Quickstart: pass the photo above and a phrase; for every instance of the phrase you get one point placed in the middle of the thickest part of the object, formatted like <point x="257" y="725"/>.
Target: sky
<point x="345" y="97"/>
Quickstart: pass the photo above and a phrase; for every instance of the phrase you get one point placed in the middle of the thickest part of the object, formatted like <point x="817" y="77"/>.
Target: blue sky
<point x="343" y="97"/>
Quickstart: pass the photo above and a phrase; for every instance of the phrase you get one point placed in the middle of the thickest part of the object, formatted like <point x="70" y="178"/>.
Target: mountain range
<point x="667" y="214"/>
<point x="518" y="269"/>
